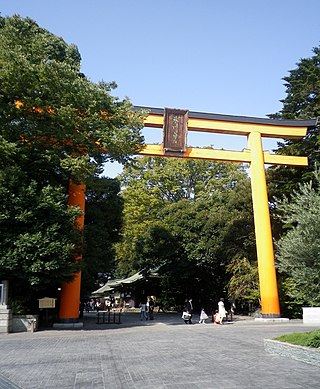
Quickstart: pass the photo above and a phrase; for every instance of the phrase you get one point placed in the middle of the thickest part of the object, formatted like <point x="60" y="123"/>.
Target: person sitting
<point x="217" y="318"/>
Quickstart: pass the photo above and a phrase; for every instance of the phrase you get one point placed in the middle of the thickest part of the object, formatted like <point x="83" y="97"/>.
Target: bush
<point x="314" y="340"/>
<point x="17" y="307"/>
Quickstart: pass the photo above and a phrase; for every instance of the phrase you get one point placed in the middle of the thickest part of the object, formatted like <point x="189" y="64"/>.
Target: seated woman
<point x="217" y="318"/>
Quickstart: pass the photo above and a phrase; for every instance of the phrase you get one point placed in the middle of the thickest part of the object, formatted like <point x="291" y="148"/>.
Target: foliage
<point x="187" y="219"/>
<point x="243" y="285"/>
<point x="174" y="179"/>
<point x="54" y="124"/>
<point x="51" y="111"/>
<point x="36" y="242"/>
<point x="302" y="101"/>
<point x="140" y="209"/>
<point x="291" y="302"/>
<point x="308" y="339"/>
<point x="302" y="88"/>
<point x="18" y="306"/>
<point x="298" y="252"/>
<point x="102" y="225"/>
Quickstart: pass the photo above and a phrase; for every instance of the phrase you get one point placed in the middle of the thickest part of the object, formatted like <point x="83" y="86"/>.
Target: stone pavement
<point x="164" y="353"/>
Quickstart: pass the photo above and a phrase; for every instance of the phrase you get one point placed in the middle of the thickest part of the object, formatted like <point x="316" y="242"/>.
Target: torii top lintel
<point x="237" y="125"/>
<point x="229" y="124"/>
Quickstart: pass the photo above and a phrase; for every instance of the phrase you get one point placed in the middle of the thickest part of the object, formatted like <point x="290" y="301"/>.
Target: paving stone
<point x="164" y="354"/>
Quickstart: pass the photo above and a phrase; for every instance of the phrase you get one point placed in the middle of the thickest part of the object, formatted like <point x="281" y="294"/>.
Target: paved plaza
<point x="164" y="353"/>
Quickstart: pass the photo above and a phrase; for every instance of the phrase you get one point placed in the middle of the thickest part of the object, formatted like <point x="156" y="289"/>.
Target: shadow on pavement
<point x="132" y="319"/>
<point x="129" y="319"/>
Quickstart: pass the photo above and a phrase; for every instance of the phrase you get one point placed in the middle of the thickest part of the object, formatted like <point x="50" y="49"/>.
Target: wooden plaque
<point x="175" y="130"/>
<point x="47" y="302"/>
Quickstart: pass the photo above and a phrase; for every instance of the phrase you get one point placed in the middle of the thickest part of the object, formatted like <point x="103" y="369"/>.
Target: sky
<point x="224" y="57"/>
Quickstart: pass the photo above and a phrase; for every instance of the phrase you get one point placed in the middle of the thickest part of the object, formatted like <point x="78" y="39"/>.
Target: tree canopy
<point x="103" y="221"/>
<point x="302" y="101"/>
<point x="298" y="251"/>
<point x="55" y="124"/>
<point x="54" y="115"/>
<point x="187" y="219"/>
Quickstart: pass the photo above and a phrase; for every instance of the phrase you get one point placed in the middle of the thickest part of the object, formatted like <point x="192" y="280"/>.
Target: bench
<point x="108" y="317"/>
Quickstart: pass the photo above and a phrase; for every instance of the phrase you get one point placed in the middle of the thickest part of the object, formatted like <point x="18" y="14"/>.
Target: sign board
<point x="175" y="128"/>
<point x="47" y="302"/>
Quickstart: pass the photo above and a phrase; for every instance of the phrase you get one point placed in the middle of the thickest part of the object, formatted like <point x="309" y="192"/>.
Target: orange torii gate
<point x="176" y="123"/>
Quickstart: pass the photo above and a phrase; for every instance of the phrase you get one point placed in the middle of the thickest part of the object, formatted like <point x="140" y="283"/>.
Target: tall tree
<point x="243" y="286"/>
<point x="174" y="179"/>
<point x="187" y="218"/>
<point x="103" y="222"/>
<point x="55" y="124"/>
<point x="302" y="101"/>
<point x="151" y="183"/>
<point x="37" y="233"/>
<point x="63" y="123"/>
<point x="298" y="251"/>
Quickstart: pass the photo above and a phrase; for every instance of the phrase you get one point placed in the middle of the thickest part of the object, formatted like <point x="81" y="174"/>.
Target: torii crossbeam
<point x="176" y="123"/>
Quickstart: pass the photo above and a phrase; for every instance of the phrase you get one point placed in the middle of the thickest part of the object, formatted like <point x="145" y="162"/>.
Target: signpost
<point x="47" y="303"/>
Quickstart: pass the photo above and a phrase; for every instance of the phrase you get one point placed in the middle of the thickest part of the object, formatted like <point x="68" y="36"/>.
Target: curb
<point x="299" y="353"/>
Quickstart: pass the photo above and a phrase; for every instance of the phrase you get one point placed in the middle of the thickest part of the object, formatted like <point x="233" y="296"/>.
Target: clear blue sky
<point x="226" y="57"/>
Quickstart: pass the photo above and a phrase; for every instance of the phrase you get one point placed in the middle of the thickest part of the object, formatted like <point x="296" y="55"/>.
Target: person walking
<point x="222" y="310"/>
<point x="186" y="316"/>
<point x="143" y="314"/>
<point x="160" y="306"/>
<point x="151" y="308"/>
<point x="203" y="317"/>
<point x="189" y="305"/>
<point x="187" y="311"/>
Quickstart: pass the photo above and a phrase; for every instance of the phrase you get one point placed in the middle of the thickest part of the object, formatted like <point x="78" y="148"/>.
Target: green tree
<point x="35" y="232"/>
<point x="140" y="212"/>
<point x="62" y="122"/>
<point x="187" y="218"/>
<point x="174" y="179"/>
<point x="103" y="222"/>
<point x="37" y="237"/>
<point x="302" y="101"/>
<point x="151" y="184"/>
<point x="55" y="124"/>
<point x="298" y="251"/>
<point x="243" y="286"/>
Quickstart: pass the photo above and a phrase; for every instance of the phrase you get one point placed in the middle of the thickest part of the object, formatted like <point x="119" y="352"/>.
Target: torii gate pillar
<point x="266" y="266"/>
<point x="70" y="291"/>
